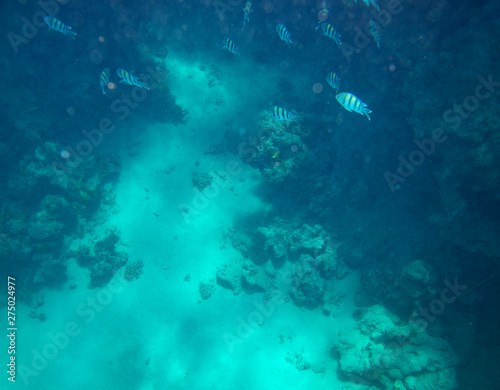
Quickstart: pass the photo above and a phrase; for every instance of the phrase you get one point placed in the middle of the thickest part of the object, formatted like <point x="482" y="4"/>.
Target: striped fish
<point x="334" y="80"/>
<point x="283" y="33"/>
<point x="353" y="103"/>
<point x="375" y="32"/>
<point x="283" y="115"/>
<point x="372" y="2"/>
<point x="56" y="25"/>
<point x="104" y="79"/>
<point x="246" y="14"/>
<point x="331" y="32"/>
<point x="129" y="79"/>
<point x="229" y="45"/>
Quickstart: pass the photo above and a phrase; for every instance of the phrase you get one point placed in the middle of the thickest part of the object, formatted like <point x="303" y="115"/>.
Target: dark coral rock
<point x="102" y="259"/>
<point x="206" y="289"/>
<point x="100" y="274"/>
<point x="84" y="256"/>
<point x="229" y="276"/>
<point x="107" y="244"/>
<point x="60" y="210"/>
<point x="308" y="239"/>
<point x="134" y="270"/>
<point x="270" y="243"/>
<point x="44" y="231"/>
<point x="255" y="278"/>
<point x="163" y="108"/>
<point x="308" y="286"/>
<point x="201" y="180"/>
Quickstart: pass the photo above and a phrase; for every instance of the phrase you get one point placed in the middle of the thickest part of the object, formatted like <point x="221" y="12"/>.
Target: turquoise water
<point x="255" y="195"/>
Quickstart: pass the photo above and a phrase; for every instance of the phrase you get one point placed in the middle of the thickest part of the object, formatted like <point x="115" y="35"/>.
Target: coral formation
<point x="303" y="250"/>
<point x="102" y="258"/>
<point x="279" y="149"/>
<point x="133" y="270"/>
<point x="229" y="276"/>
<point x="382" y="351"/>
<point x="206" y="289"/>
<point x="201" y="180"/>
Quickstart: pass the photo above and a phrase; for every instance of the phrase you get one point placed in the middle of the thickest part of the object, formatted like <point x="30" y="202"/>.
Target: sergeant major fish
<point x="373" y="2"/>
<point x="56" y="25"/>
<point x="375" y="32"/>
<point x="283" y="115"/>
<point x="334" y="80"/>
<point x="331" y="32"/>
<point x="229" y="45"/>
<point x="353" y="103"/>
<point x="283" y="33"/>
<point x="129" y="79"/>
<point x="104" y="79"/>
<point x="246" y="13"/>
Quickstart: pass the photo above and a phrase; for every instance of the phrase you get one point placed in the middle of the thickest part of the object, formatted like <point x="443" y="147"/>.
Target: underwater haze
<point x="232" y="194"/>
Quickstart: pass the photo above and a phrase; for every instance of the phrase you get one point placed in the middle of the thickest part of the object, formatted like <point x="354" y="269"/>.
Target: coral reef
<point x="133" y="270"/>
<point x="303" y="250"/>
<point x="229" y="275"/>
<point x="279" y="149"/>
<point x="381" y="283"/>
<point x="282" y="241"/>
<point x="308" y="284"/>
<point x="47" y="207"/>
<point x="206" y="289"/>
<point x="26" y="234"/>
<point x="102" y="258"/>
<point x="201" y="180"/>
<point x="381" y="351"/>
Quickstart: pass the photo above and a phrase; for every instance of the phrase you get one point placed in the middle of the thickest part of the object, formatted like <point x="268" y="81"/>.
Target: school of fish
<point x="348" y="100"/>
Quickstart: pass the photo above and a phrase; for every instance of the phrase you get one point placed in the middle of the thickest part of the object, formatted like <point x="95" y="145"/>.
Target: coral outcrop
<point x="102" y="258"/>
<point x="279" y="150"/>
<point x="300" y="255"/>
<point x="382" y="350"/>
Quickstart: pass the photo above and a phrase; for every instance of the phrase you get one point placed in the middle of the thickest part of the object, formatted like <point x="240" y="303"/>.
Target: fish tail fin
<point x="144" y="85"/>
<point x="72" y="34"/>
<point x="295" y="116"/>
<point x="367" y="111"/>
